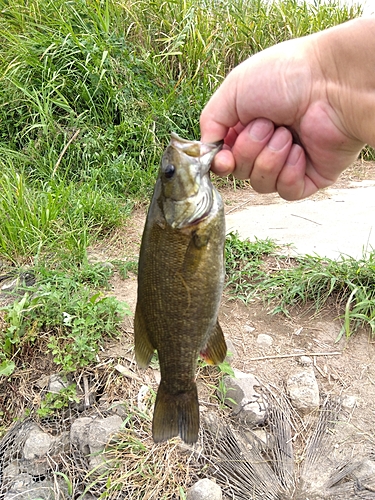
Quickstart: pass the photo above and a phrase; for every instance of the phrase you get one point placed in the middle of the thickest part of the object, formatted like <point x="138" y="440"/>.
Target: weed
<point x="60" y="218"/>
<point x="7" y="367"/>
<point x="303" y="279"/>
<point x="126" y="266"/>
<point x="243" y="260"/>
<point x="56" y="401"/>
<point x="133" y="464"/>
<point x="76" y="319"/>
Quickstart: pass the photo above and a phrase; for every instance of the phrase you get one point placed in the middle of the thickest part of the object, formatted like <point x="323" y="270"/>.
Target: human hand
<point x="285" y="118"/>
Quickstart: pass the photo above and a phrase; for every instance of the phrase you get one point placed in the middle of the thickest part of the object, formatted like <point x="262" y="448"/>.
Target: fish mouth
<point x="197" y="149"/>
<point x="186" y="144"/>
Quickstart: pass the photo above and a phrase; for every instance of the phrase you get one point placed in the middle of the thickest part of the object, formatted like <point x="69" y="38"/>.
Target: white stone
<point x="79" y="434"/>
<point x="349" y="402"/>
<point x="246" y="402"/>
<point x="56" y="384"/>
<point x="204" y="489"/>
<point x="37" y="444"/>
<point x="305" y="361"/>
<point x="264" y="340"/>
<point x="303" y="389"/>
<point x="248" y="328"/>
<point x="101" y="430"/>
<point x="91" y="435"/>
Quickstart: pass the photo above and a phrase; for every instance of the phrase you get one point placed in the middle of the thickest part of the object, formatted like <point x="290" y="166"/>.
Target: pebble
<point x="303" y="389"/>
<point x="349" y="402"/>
<point x="247" y="403"/>
<point x="57" y="383"/>
<point x="264" y="340"/>
<point x="248" y="328"/>
<point x="305" y="361"/>
<point x="37" y="444"/>
<point x="231" y="351"/>
<point x="204" y="489"/>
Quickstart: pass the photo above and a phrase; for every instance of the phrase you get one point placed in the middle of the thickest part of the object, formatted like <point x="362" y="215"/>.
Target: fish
<point x="180" y="283"/>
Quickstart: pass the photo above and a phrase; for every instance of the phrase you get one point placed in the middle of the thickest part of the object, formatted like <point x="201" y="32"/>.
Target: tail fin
<point x="176" y="414"/>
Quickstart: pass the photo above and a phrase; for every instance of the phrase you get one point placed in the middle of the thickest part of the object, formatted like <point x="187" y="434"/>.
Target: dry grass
<point x="131" y="465"/>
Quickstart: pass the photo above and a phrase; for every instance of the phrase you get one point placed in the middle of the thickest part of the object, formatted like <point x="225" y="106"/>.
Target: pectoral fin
<point x="195" y="252"/>
<point x="216" y="349"/>
<point x="142" y="345"/>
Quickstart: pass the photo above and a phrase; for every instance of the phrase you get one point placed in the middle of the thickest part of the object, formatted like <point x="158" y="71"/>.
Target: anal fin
<point x="142" y="345"/>
<point x="176" y="414"/>
<point x="216" y="349"/>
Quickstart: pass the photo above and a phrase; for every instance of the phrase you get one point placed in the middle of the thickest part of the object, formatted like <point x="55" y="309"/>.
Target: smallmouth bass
<point x="180" y="283"/>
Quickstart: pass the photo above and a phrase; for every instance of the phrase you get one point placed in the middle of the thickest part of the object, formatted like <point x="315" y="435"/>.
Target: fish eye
<point x="169" y="171"/>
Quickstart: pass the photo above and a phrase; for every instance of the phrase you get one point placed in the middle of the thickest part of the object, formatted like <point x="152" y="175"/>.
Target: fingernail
<point x="260" y="129"/>
<point x="294" y="155"/>
<point x="279" y="139"/>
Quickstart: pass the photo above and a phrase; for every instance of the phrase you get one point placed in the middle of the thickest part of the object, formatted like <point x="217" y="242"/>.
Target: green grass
<point x="91" y="90"/>
<point x="62" y="313"/>
<point x="255" y="270"/>
<point x="54" y="217"/>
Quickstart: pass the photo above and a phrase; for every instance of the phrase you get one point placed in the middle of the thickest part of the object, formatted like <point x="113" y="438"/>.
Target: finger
<point x="220" y="113"/>
<point x="223" y="163"/>
<point x="249" y="144"/>
<point x="294" y="182"/>
<point x="271" y="160"/>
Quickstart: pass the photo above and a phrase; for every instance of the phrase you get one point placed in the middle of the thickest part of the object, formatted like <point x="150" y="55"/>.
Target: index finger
<point x="220" y="113"/>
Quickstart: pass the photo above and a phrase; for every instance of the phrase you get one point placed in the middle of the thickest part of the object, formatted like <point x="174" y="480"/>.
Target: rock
<point x="248" y="328"/>
<point x="99" y="464"/>
<point x="120" y="409"/>
<point x="231" y="351"/>
<point x="61" y="443"/>
<point x="261" y="435"/>
<point x="247" y="404"/>
<point x="213" y="423"/>
<point x="22" y="481"/>
<point x="264" y="340"/>
<point x="11" y="470"/>
<point x="303" y="389"/>
<point x="305" y="361"/>
<point x="349" y="402"/>
<point x="26" y="489"/>
<point x="37" y="444"/>
<point x="91" y="435"/>
<point x="101" y="430"/>
<point x="107" y="265"/>
<point x="57" y="383"/>
<point x="79" y="434"/>
<point x="204" y="489"/>
<point x="366" y="470"/>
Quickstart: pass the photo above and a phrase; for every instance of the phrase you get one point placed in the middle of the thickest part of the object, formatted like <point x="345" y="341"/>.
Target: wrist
<point x="346" y="57"/>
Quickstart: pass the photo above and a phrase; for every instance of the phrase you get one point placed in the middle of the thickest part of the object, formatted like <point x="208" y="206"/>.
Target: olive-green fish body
<point x="180" y="281"/>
